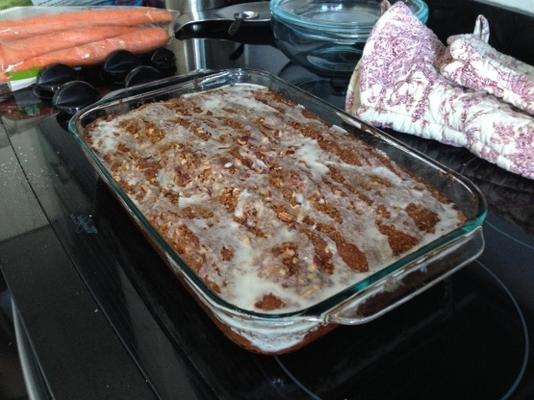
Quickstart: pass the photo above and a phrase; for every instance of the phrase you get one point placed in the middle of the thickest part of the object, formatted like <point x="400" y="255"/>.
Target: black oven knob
<point x="142" y="74"/>
<point x="73" y="96"/>
<point x="51" y="78"/>
<point x="118" y="64"/>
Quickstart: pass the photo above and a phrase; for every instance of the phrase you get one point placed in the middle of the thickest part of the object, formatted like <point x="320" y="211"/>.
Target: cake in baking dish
<point x="272" y="208"/>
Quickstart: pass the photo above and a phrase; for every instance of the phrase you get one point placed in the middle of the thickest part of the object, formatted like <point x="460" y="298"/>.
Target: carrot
<point x="137" y="41"/>
<point x="12" y="53"/>
<point x="26" y="27"/>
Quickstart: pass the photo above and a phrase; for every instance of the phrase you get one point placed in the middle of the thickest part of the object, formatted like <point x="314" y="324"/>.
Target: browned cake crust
<point x="272" y="208"/>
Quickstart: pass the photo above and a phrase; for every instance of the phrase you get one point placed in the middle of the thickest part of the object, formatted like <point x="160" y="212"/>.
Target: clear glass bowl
<point x="367" y="299"/>
<point x="328" y="36"/>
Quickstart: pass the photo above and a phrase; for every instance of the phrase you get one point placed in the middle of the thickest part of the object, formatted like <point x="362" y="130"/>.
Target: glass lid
<point x="338" y="15"/>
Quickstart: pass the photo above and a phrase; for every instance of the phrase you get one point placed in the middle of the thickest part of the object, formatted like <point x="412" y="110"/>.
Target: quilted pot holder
<point x="396" y="84"/>
<point x="471" y="62"/>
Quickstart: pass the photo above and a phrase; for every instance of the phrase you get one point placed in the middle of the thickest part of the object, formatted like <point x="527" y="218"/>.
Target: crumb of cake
<point x="205" y="174"/>
<point x="322" y="255"/>
<point x="386" y="162"/>
<point x="232" y="123"/>
<point x="173" y="197"/>
<point x="306" y="130"/>
<point x="424" y="218"/>
<point x="197" y="212"/>
<point x="228" y="198"/>
<point x="336" y="190"/>
<point x="122" y="148"/>
<point x="347" y="155"/>
<point x="270" y="302"/>
<point x="267" y="130"/>
<point x="308" y="220"/>
<point x="309" y="115"/>
<point x="266" y="101"/>
<point x="181" y="178"/>
<point x="239" y="159"/>
<point x="250" y="224"/>
<point x="185" y="234"/>
<point x="399" y="241"/>
<point x="288" y="254"/>
<point x="353" y="257"/>
<point x="150" y="169"/>
<point x="211" y="284"/>
<point x="338" y="177"/>
<point x="380" y="180"/>
<point x="283" y="214"/>
<point x="227" y="253"/>
<point x="142" y="130"/>
<point x="321" y="205"/>
<point x="382" y="211"/>
<point x="183" y="107"/>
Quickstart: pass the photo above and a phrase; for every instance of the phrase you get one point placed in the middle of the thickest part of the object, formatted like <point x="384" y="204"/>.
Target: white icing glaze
<point x="309" y="152"/>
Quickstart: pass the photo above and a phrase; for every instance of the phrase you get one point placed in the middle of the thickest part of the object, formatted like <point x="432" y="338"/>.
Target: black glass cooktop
<point x="108" y="320"/>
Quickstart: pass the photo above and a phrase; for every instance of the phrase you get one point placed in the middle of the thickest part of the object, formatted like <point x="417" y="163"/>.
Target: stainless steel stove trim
<point x="33" y="377"/>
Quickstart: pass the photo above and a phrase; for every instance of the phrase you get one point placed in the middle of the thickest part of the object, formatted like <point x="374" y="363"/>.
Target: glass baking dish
<point x="362" y="302"/>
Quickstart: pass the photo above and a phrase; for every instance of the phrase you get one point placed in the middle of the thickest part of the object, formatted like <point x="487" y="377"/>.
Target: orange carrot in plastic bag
<point x="131" y="16"/>
<point x="137" y="41"/>
<point x="15" y="52"/>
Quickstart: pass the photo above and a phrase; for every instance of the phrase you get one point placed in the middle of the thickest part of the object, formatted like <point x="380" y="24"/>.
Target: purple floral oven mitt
<point x="471" y="62"/>
<point x="396" y="84"/>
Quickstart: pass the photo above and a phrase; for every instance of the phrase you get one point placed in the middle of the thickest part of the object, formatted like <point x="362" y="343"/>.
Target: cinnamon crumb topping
<point x="227" y="253"/>
<point x="424" y="218"/>
<point x="399" y="241"/>
<point x="228" y="198"/>
<point x="269" y="302"/>
<point x="260" y="195"/>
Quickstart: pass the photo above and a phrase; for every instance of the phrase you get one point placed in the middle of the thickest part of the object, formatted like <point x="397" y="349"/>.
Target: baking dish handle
<point x="418" y="276"/>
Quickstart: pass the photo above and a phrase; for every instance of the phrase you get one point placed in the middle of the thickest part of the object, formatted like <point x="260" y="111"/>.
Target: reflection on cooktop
<point x="333" y="90"/>
<point x="456" y="362"/>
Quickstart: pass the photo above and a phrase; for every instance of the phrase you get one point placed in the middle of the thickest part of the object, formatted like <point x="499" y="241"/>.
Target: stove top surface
<point x="468" y="337"/>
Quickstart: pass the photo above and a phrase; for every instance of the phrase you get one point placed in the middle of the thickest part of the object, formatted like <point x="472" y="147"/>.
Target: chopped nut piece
<point x="226" y="253"/>
<point x="228" y="198"/>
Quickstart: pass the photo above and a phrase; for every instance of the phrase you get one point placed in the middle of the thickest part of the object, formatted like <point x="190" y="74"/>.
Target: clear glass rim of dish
<point x="419" y="7"/>
<point x="315" y="310"/>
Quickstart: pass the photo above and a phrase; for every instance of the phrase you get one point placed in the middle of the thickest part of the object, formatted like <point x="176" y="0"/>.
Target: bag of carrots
<point x="33" y="37"/>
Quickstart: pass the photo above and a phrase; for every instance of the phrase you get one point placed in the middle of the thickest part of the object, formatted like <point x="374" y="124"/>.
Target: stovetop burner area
<point x="470" y="336"/>
<point x="452" y="357"/>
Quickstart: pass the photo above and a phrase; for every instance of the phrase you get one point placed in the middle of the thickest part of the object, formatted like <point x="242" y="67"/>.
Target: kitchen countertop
<point x="87" y="300"/>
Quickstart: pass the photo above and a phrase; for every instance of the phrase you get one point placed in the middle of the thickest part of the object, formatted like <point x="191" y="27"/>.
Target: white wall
<point x="526" y="6"/>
